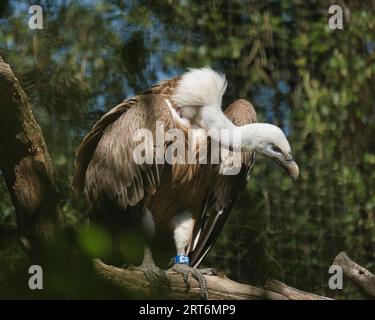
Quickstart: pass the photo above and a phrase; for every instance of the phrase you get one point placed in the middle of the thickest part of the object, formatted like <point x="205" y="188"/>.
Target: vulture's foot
<point x="198" y="274"/>
<point x="155" y="276"/>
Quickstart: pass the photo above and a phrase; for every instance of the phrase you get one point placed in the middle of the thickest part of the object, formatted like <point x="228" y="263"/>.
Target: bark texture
<point x="219" y="287"/>
<point x="356" y="273"/>
<point x="290" y="292"/>
<point x="26" y="165"/>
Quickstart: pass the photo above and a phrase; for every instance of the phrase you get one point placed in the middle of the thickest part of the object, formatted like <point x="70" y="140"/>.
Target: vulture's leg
<point x="154" y="274"/>
<point x="183" y="225"/>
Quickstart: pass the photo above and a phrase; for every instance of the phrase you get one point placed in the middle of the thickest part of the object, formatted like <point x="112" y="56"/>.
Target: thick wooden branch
<point x="290" y="292"/>
<point x="219" y="287"/>
<point x="358" y="274"/>
<point x="26" y="165"/>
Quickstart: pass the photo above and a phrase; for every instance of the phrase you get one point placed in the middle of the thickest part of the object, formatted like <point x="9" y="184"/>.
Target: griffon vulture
<point x="155" y="212"/>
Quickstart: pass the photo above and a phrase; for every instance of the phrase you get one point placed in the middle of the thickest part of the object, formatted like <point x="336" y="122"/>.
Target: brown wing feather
<point x="224" y="189"/>
<point x="105" y="165"/>
<point x="87" y="147"/>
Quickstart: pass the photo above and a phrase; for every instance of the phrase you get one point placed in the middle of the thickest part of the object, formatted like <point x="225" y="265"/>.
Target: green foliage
<point x="95" y="241"/>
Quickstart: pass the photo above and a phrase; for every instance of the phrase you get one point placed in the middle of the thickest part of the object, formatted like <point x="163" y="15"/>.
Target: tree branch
<point x="290" y="292"/>
<point x="219" y="287"/>
<point x="358" y="274"/>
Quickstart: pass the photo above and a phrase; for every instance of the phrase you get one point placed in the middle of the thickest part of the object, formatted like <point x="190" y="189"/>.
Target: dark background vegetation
<point x="317" y="84"/>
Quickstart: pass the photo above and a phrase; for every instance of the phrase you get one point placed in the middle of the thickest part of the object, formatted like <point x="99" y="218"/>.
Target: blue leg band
<point x="181" y="259"/>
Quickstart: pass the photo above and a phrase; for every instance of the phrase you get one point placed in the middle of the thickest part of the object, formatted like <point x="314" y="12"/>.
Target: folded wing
<point x="224" y="190"/>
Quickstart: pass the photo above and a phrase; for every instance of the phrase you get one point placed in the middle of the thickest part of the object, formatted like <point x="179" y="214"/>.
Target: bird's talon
<point x="155" y="276"/>
<point x="187" y="272"/>
<point x="187" y="280"/>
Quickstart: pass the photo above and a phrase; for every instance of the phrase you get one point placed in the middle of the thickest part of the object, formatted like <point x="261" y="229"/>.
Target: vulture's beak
<point x="292" y="169"/>
<point x="289" y="165"/>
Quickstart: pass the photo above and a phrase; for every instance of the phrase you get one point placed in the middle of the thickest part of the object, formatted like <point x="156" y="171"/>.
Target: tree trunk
<point x="26" y="165"/>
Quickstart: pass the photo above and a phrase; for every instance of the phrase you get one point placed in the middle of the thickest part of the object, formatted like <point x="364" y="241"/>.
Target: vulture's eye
<point x="276" y="149"/>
